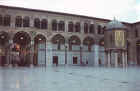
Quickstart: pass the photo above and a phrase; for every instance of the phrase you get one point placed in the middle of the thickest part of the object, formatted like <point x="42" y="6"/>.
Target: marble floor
<point x="69" y="78"/>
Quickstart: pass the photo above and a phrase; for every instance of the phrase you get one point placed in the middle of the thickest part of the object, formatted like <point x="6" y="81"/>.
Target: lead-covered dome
<point x="114" y="24"/>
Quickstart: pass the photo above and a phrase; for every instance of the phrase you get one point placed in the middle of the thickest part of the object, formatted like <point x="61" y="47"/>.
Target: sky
<point x="122" y="10"/>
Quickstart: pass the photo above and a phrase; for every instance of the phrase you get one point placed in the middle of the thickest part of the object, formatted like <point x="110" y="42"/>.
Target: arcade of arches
<point x="23" y="50"/>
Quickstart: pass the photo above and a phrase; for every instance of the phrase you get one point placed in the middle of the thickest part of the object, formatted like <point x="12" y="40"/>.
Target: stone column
<point x="49" y="55"/>
<point x="109" y="59"/>
<point x="10" y="52"/>
<point x="123" y="59"/>
<point x="116" y="59"/>
<point x="126" y="59"/>
<point x="66" y="26"/>
<point x="96" y="63"/>
<point x="106" y="58"/>
<point x="32" y="53"/>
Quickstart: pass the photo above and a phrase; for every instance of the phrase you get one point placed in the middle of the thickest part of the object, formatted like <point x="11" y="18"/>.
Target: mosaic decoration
<point x="119" y="38"/>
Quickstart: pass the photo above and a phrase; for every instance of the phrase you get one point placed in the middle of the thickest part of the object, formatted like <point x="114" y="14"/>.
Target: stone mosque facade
<point x="38" y="37"/>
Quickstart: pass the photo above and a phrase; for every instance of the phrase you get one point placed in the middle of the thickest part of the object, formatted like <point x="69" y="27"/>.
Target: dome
<point x="114" y="24"/>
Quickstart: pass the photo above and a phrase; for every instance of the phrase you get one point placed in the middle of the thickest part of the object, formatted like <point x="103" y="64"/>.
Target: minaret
<point x="115" y="44"/>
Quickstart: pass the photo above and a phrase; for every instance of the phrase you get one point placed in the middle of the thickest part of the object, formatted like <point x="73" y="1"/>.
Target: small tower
<point x="115" y="44"/>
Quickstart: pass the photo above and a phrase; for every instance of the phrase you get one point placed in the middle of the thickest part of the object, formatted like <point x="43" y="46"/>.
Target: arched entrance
<point x="75" y="46"/>
<point x="4" y="40"/>
<point x="21" y="49"/>
<point x="58" y="42"/>
<point x="39" y="50"/>
<point x="138" y="52"/>
<point x="88" y="51"/>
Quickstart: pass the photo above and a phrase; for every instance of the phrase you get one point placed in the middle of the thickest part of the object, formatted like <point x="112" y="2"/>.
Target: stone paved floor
<point x="74" y="78"/>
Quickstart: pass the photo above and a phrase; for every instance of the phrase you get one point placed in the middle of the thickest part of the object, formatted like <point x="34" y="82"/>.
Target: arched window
<point x="85" y="28"/>
<point x="99" y="29"/>
<point x="54" y="25"/>
<point x="1" y="20"/>
<point x="70" y="27"/>
<point x="77" y="27"/>
<point x="61" y="26"/>
<point x="91" y="28"/>
<point x="104" y="28"/>
<point x="44" y="24"/>
<point x="18" y="22"/>
<point x="7" y="20"/>
<point x="26" y="22"/>
<point x="37" y="23"/>
<point x="136" y="33"/>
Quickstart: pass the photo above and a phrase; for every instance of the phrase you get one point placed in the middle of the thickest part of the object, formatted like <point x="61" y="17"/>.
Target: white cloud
<point x="123" y="10"/>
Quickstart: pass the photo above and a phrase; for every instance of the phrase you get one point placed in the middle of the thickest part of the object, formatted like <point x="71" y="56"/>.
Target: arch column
<point x="96" y="50"/>
<point x="109" y="58"/>
<point x="49" y="56"/>
<point x="32" y="53"/>
<point x="126" y="59"/>
<point x="116" y="59"/>
<point x="123" y="59"/>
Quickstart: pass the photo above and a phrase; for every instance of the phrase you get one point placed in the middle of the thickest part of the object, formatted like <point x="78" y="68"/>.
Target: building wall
<point x="51" y="49"/>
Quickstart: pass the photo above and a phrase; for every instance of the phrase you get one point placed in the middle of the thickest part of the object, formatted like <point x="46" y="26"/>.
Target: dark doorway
<point x="75" y="60"/>
<point x="55" y="60"/>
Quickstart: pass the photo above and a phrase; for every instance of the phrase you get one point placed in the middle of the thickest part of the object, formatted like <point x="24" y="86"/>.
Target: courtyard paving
<point x="69" y="78"/>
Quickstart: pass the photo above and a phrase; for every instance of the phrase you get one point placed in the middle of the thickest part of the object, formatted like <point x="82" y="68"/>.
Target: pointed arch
<point x="22" y="38"/>
<point x="74" y="40"/>
<point x="59" y="40"/>
<point x="4" y="37"/>
<point x="88" y="41"/>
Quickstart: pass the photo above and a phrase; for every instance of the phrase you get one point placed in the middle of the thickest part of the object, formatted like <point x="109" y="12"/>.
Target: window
<point x="77" y="27"/>
<point x="1" y="20"/>
<point x="44" y="24"/>
<point x="91" y="28"/>
<point x="99" y="29"/>
<point x="37" y="23"/>
<point x="104" y="28"/>
<point x="85" y="28"/>
<point x="18" y="22"/>
<point x="54" y="25"/>
<point x="7" y="20"/>
<point x="61" y="26"/>
<point x="136" y="33"/>
<point x="26" y="22"/>
<point x="70" y="27"/>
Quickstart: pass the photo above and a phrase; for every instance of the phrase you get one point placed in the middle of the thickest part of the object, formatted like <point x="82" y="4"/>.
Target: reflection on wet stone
<point x="69" y="79"/>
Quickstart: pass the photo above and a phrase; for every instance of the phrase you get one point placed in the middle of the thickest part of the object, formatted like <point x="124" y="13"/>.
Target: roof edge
<point x="60" y="13"/>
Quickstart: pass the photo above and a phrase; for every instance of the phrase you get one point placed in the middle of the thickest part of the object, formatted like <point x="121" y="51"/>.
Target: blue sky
<point x="123" y="10"/>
